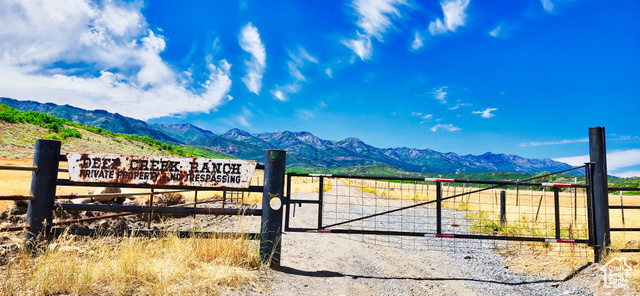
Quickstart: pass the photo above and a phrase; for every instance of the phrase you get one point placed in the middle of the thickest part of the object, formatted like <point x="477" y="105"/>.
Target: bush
<point x="51" y="123"/>
<point x="70" y="133"/>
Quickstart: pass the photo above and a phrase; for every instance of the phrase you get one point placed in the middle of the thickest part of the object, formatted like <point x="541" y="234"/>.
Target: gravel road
<point x="333" y="264"/>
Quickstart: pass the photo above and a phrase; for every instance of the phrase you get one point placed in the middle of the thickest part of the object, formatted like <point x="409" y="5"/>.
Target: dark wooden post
<point x="598" y="156"/>
<point x="43" y="189"/>
<point x="272" y="200"/>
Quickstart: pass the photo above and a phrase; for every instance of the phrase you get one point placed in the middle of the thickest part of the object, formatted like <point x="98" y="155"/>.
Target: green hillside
<point x="52" y="127"/>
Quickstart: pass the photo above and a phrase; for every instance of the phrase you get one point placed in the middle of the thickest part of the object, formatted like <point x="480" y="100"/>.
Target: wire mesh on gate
<point x="624" y="204"/>
<point x="403" y="213"/>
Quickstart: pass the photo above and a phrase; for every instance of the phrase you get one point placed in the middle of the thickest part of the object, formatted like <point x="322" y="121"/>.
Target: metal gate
<point x="466" y="210"/>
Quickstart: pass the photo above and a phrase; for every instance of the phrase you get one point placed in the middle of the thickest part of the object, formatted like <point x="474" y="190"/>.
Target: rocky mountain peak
<point x="236" y="132"/>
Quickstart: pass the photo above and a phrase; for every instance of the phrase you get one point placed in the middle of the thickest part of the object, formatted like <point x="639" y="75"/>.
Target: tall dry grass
<point x="124" y="266"/>
<point x="134" y="266"/>
<point x="309" y="184"/>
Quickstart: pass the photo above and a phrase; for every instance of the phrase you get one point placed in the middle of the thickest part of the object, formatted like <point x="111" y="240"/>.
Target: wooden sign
<point x="158" y="170"/>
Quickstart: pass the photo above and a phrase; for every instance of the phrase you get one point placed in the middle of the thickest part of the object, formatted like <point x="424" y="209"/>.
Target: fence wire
<point x="373" y="205"/>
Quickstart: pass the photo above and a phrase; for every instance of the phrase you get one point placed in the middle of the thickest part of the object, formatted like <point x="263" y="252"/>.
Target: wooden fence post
<point x="270" y="240"/>
<point x="43" y="189"/>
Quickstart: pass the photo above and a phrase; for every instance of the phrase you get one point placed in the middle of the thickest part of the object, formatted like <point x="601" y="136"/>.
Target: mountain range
<point x="304" y="150"/>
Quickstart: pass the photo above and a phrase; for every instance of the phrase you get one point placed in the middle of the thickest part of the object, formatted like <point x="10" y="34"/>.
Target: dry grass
<point x="14" y="182"/>
<point x="134" y="266"/>
<point x="632" y="260"/>
<point x="310" y="184"/>
<point x="129" y="266"/>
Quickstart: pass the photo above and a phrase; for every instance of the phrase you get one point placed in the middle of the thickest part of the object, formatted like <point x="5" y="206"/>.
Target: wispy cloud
<point x="304" y="114"/>
<point x="422" y="115"/>
<point x="457" y="106"/>
<point x="547" y="5"/>
<point x="361" y="45"/>
<point x="486" y="113"/>
<point x="417" y="41"/>
<point x="533" y="144"/>
<point x="616" y="160"/>
<point x="454" y="17"/>
<point x="282" y="92"/>
<point x="440" y="94"/>
<point x="374" y="19"/>
<point x="243" y="119"/>
<point x="446" y="127"/>
<point x="496" y="31"/>
<point x="298" y="60"/>
<point x="374" y="15"/>
<point x="251" y="43"/>
<point x="52" y="51"/>
<point x="278" y="94"/>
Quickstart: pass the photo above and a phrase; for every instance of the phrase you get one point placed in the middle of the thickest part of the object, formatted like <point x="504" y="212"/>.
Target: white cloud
<point x="547" y="5"/>
<point x="251" y="43"/>
<point x="440" y="93"/>
<point x="374" y="19"/>
<point x="533" y="144"/>
<point x="328" y="72"/>
<point x="298" y="61"/>
<point x="49" y="52"/>
<point x="422" y="115"/>
<point x="304" y="114"/>
<point x="243" y="119"/>
<point x="628" y="174"/>
<point x="496" y="31"/>
<point x="454" y="17"/>
<point x="417" y="41"/>
<point x="573" y="160"/>
<point x="282" y="92"/>
<point x="457" y="106"/>
<point x="361" y="46"/>
<point x="278" y="94"/>
<point x="616" y="160"/>
<point x="446" y="127"/>
<point x="486" y="113"/>
<point x="373" y="15"/>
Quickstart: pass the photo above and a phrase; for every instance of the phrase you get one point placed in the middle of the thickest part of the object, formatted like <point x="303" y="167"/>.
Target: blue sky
<point x="466" y="76"/>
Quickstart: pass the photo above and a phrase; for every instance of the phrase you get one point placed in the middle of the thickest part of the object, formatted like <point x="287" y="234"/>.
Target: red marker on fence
<point x="553" y="240"/>
<point x="438" y="180"/>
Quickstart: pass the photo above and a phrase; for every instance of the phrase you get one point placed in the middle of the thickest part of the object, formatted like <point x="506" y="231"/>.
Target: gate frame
<point x="438" y="201"/>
